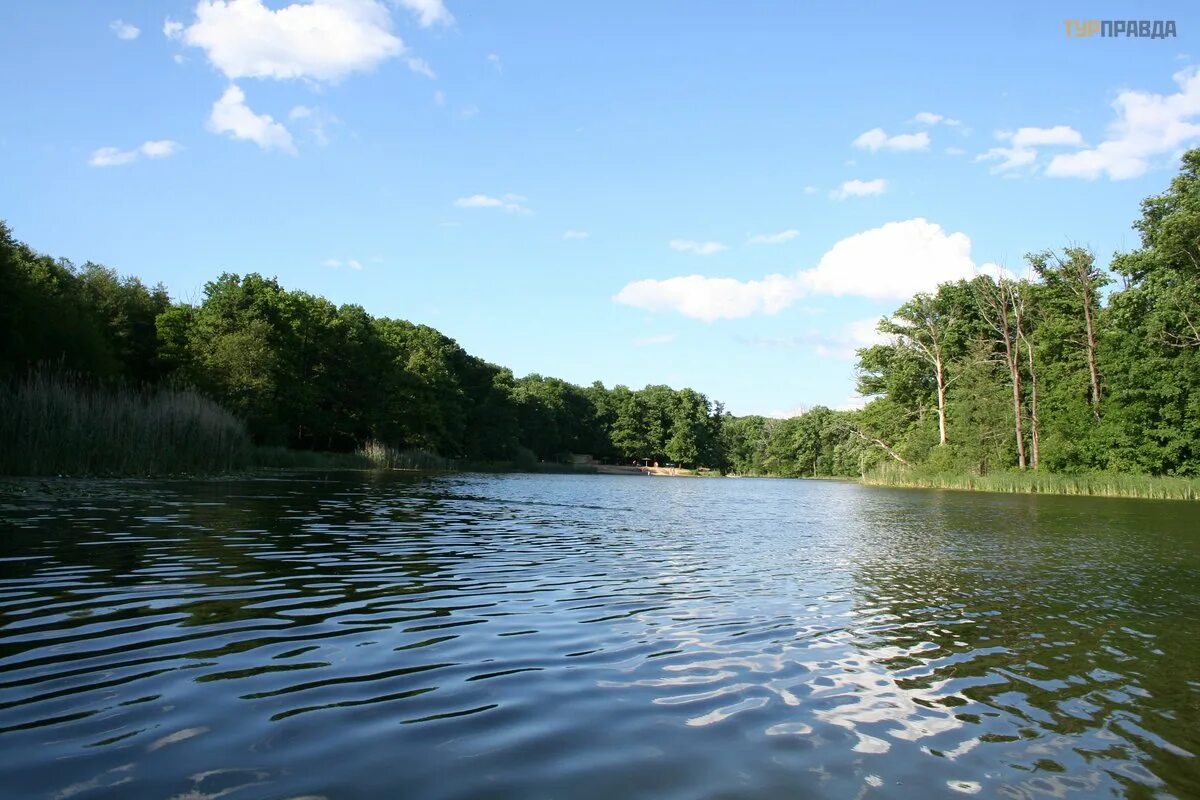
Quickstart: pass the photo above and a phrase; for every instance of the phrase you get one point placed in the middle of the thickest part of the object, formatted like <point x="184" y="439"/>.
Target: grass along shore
<point x="1089" y="484"/>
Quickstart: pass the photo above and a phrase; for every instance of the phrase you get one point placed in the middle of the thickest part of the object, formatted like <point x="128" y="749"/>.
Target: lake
<point x="364" y="635"/>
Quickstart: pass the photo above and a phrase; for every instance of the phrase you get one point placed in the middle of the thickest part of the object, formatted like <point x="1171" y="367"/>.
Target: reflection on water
<point x="577" y="636"/>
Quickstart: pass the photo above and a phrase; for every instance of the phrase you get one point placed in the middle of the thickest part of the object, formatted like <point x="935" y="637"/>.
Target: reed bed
<point x="57" y="423"/>
<point x="381" y="456"/>
<point x="1089" y="484"/>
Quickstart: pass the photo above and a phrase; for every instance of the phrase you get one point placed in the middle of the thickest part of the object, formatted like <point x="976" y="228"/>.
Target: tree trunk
<point x="1034" y="438"/>
<point x="941" y="401"/>
<point x="1018" y="413"/>
<point x="879" y="443"/>
<point x="1093" y="370"/>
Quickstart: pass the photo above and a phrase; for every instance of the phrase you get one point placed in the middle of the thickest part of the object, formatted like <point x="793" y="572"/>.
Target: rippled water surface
<point x="522" y="636"/>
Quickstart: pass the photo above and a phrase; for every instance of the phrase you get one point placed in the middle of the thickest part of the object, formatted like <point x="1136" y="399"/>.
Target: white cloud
<point x="421" y="67"/>
<point x="890" y="262"/>
<point x="112" y="157"/>
<point x="1037" y="137"/>
<point x="231" y="115"/>
<point x="698" y="248"/>
<point x="1009" y="158"/>
<point x="857" y="188"/>
<point x="124" y="31"/>
<point x="774" y="238"/>
<point x="323" y="40"/>
<point x="159" y="148"/>
<point x="428" y="12"/>
<point x="575" y="234"/>
<point x="931" y="119"/>
<point x="172" y="29"/>
<point x="1023" y="144"/>
<point x="116" y="157"/>
<point x="512" y="203"/>
<point x="651" y="341"/>
<point x="877" y="139"/>
<point x="1147" y="125"/>
<point x="710" y="299"/>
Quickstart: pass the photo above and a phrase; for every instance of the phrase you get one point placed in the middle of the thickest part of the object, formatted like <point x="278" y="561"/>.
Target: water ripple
<point x="591" y="637"/>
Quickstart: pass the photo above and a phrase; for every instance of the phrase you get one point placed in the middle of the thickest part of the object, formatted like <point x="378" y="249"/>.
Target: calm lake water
<point x="525" y="636"/>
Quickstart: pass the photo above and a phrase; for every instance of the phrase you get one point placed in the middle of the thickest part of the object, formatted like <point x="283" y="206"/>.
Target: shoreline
<point x="1114" y="485"/>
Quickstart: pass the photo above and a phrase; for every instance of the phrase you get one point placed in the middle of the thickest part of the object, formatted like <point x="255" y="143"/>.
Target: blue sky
<point x="575" y="189"/>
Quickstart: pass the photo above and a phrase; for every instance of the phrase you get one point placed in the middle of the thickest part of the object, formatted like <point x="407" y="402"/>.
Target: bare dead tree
<point x="1002" y="312"/>
<point x="879" y="443"/>
<point x="1084" y="280"/>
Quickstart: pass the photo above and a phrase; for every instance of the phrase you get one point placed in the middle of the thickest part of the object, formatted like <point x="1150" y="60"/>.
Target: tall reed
<point x="382" y="456"/>
<point x="1092" y="484"/>
<point x="58" y="423"/>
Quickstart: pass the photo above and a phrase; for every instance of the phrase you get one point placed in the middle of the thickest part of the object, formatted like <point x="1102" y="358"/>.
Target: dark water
<point x="594" y="637"/>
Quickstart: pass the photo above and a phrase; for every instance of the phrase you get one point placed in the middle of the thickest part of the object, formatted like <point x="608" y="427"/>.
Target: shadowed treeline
<point x="299" y="373"/>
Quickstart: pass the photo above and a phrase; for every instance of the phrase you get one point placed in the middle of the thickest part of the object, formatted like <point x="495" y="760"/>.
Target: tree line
<point x="308" y="374"/>
<point x="1070" y="368"/>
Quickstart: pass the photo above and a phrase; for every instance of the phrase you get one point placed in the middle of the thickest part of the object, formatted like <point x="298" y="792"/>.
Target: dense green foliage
<point x="1057" y="371"/>
<point x="306" y="374"/>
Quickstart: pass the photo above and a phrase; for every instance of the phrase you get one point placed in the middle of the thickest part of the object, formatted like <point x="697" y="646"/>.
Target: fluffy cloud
<point x="512" y="203"/>
<point x="1147" y="125"/>
<point x="231" y="115"/>
<point x="421" y="67"/>
<point x="931" y="119"/>
<point x="1008" y="158"/>
<point x="698" y="248"/>
<point x="124" y="31"/>
<point x="322" y="40"/>
<point x="774" y="238"/>
<point x="428" y="12"/>
<point x="890" y="262"/>
<point x="710" y="299"/>
<point x="1037" y="137"/>
<point x="1023" y="143"/>
<point x="172" y="29"/>
<point x="877" y="139"/>
<point x="857" y="188"/>
<point x="116" y="157"/>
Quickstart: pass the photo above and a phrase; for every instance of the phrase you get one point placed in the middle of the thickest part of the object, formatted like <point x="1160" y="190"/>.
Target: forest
<point x="1056" y="366"/>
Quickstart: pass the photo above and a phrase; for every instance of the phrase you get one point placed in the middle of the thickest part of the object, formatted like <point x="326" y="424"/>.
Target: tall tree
<point x="1000" y="306"/>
